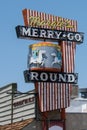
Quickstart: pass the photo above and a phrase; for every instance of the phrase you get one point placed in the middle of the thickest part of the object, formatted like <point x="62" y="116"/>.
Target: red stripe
<point x="45" y="97"/>
<point x="56" y="96"/>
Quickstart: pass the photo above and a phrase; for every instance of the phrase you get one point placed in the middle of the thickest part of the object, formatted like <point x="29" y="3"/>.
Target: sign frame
<point x="53" y="77"/>
<point x="48" y="34"/>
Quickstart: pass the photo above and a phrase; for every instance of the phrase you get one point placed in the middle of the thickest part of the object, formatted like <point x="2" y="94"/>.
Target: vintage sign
<point x="39" y="19"/>
<point x="46" y="76"/>
<point x="48" y="34"/>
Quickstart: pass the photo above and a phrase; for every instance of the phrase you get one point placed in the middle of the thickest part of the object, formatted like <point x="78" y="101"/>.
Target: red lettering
<point x="25" y="101"/>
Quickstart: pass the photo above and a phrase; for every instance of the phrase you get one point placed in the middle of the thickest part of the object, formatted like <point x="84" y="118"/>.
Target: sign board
<point x="48" y="34"/>
<point x="46" y="76"/>
<point x="53" y="82"/>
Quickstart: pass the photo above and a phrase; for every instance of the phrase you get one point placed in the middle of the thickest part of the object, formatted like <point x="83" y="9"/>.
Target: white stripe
<point x="56" y="93"/>
<point x="45" y="96"/>
<point x="41" y="87"/>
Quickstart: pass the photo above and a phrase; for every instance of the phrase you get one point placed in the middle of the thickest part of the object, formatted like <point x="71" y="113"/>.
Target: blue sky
<point x="14" y="51"/>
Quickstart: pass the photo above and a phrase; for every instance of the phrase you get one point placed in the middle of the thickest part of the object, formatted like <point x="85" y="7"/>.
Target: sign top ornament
<point x="42" y="20"/>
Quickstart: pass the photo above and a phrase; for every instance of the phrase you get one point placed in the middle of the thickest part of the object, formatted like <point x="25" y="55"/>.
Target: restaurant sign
<point x="46" y="76"/>
<point x="48" y="34"/>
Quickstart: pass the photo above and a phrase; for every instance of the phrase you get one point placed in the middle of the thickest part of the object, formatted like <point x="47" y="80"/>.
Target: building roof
<point x="17" y="126"/>
<point x="6" y="86"/>
<point x="83" y="90"/>
<point x="77" y="105"/>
